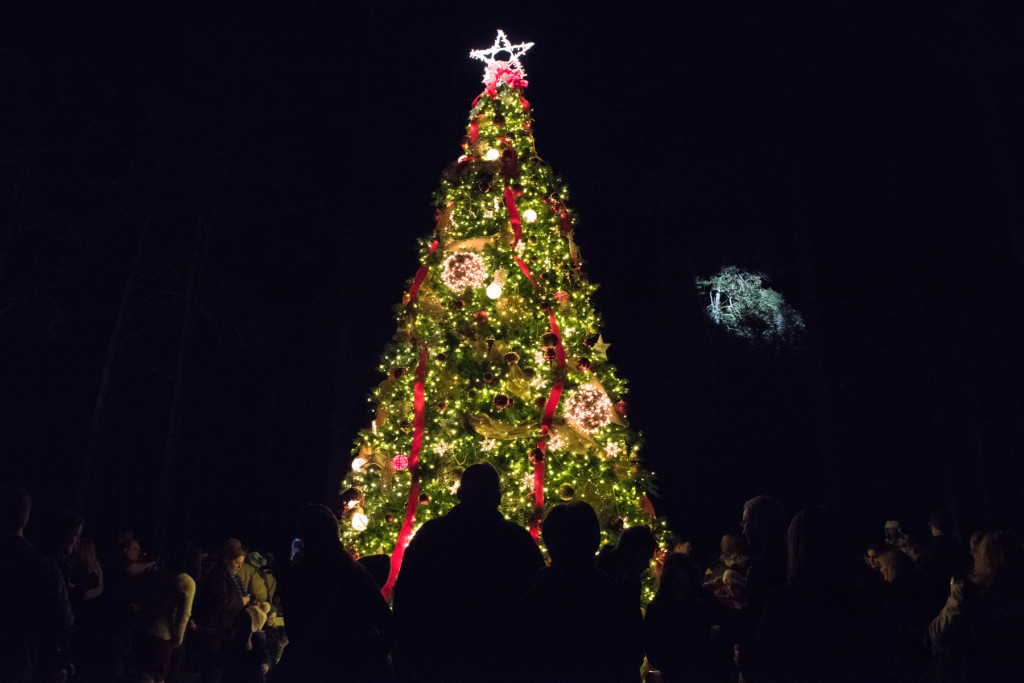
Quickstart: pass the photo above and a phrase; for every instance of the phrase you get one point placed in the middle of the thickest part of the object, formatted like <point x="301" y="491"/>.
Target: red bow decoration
<point x="499" y="72"/>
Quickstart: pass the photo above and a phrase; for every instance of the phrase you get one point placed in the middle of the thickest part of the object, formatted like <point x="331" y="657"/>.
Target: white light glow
<point x="360" y="521"/>
<point x="492" y="155"/>
<point x="493" y="290"/>
<point x="529" y="215"/>
<point x="463" y="270"/>
<point x="358" y="464"/>
<point x="501" y="45"/>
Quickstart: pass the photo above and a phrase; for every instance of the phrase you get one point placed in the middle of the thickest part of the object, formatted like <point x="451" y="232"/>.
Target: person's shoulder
<point x="184" y="582"/>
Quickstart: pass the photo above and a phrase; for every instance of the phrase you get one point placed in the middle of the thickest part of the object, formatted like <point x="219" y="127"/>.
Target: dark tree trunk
<point x="93" y="460"/>
<point x="175" y="423"/>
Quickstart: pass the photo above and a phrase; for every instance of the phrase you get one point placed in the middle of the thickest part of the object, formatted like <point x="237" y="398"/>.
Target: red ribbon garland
<point x="474" y="128"/>
<point x="549" y="415"/>
<point x="526" y="272"/>
<point x="414" y="468"/>
<point x="421" y="275"/>
<point x="513" y="215"/>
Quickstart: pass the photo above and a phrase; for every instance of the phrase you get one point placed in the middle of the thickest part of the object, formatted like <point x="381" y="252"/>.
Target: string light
<point x="464" y="270"/>
<point x="589" y="408"/>
<point x="360" y="521"/>
<point x="502" y="45"/>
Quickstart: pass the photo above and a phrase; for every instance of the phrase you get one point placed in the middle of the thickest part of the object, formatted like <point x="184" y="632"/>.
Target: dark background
<point x="208" y="215"/>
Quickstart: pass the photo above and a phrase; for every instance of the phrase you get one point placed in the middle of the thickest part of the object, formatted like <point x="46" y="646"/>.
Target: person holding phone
<point x="217" y="603"/>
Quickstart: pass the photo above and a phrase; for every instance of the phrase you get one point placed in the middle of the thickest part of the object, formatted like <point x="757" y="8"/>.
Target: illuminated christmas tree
<point x="498" y="355"/>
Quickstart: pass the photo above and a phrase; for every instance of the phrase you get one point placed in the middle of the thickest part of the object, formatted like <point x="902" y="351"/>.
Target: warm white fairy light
<point x="442" y="448"/>
<point x="529" y="215"/>
<point x="463" y="270"/>
<point x="556" y="442"/>
<point x="488" y="444"/>
<point x="360" y="521"/>
<point x="589" y="409"/>
<point x="613" y="450"/>
<point x="494" y="289"/>
<point x="489" y="56"/>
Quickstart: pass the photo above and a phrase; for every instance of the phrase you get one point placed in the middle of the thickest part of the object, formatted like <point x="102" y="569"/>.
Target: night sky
<point x="247" y="184"/>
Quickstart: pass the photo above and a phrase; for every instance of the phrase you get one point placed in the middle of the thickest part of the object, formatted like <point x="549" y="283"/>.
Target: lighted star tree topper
<point x="497" y="355"/>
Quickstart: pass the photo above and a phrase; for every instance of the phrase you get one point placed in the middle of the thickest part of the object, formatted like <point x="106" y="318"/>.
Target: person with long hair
<point x="677" y="624"/>
<point x="339" y="625"/>
<point x="217" y="603"/>
<point x="979" y="635"/>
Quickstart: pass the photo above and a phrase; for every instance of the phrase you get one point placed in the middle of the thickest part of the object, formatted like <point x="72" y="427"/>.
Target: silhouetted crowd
<point x="786" y="601"/>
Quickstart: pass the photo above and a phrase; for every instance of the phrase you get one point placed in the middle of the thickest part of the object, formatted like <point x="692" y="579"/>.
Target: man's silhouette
<point x="459" y="599"/>
<point x="37" y="617"/>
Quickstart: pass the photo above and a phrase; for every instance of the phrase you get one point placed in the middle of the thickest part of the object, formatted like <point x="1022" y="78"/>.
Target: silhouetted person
<point x="339" y="625"/>
<point x="379" y="566"/>
<point x="459" y="597"/>
<point x="677" y="625"/>
<point x="37" y="619"/>
<point x="827" y="624"/>
<point x="942" y="561"/>
<point x="764" y="525"/>
<point x="630" y="558"/>
<point x="979" y="635"/>
<point x="586" y="628"/>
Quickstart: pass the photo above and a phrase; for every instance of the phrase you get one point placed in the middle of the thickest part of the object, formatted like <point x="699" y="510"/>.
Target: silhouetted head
<point x="378" y="565"/>
<point x="819" y="552"/>
<point x="480" y="486"/>
<point x="317" y="526"/>
<point x="999" y="560"/>
<point x="572" y="533"/>
<point x="635" y="549"/>
<point x="938" y="523"/>
<point x="734" y="545"/>
<point x="764" y="521"/>
<point x="59" y="533"/>
<point x="15" y="506"/>
<point x="680" y="579"/>
<point x="187" y="559"/>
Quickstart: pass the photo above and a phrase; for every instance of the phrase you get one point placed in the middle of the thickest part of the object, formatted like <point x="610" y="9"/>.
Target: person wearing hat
<point x="249" y="656"/>
<point x="250" y="575"/>
<point x="894" y="536"/>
